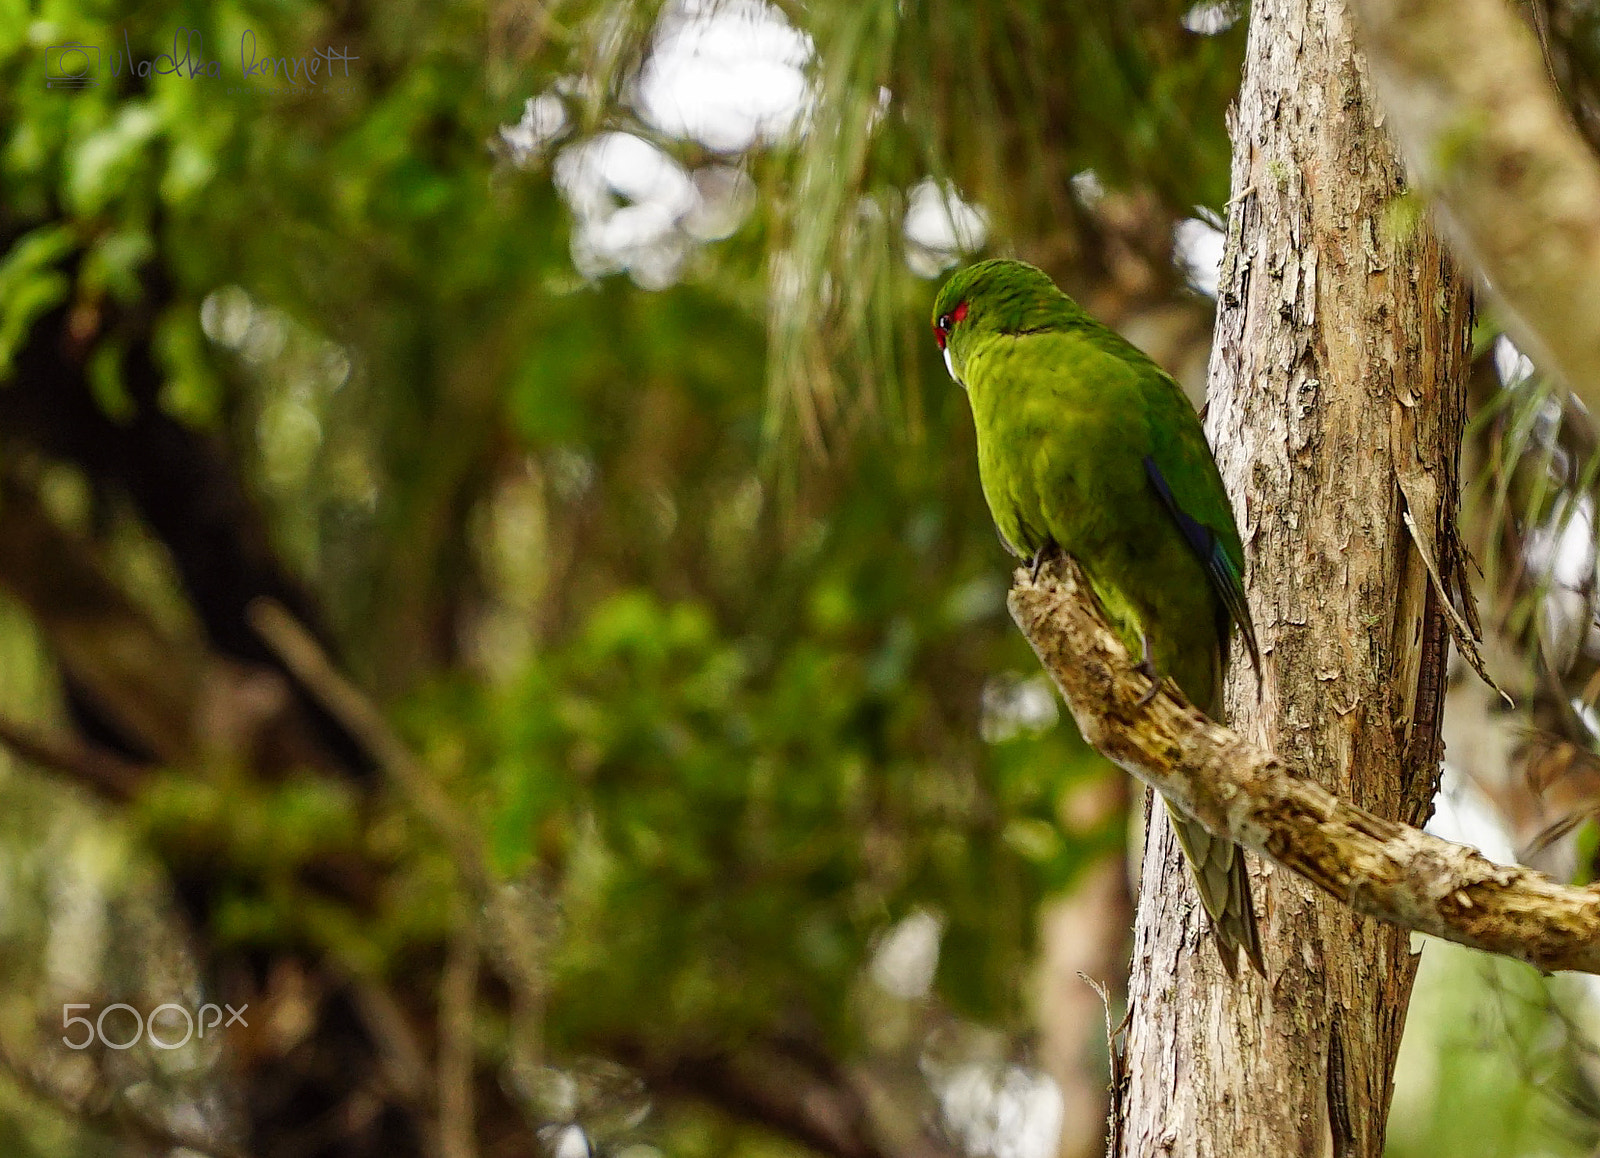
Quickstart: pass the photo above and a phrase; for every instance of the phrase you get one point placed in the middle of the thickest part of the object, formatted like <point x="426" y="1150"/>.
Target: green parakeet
<point x="1086" y="445"/>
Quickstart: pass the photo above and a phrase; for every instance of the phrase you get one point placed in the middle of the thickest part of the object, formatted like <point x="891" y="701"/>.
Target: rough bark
<point x="1335" y="390"/>
<point x="1466" y="92"/>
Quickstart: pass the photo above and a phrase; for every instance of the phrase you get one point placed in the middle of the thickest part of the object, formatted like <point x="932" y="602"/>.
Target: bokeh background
<point x="640" y="760"/>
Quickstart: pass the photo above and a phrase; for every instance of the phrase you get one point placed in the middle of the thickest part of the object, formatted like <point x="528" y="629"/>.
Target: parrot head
<point x="995" y="297"/>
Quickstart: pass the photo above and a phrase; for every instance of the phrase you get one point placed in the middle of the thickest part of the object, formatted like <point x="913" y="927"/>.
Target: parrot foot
<point x="1040" y="558"/>
<point x="1147" y="668"/>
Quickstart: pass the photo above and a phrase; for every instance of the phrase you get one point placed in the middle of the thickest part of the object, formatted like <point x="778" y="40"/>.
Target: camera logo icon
<point x="71" y="66"/>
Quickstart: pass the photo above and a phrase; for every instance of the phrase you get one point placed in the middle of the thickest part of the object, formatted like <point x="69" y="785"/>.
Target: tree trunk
<point x="1336" y="399"/>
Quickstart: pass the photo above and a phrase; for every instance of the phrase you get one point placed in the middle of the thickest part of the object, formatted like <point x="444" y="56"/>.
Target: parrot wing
<point x="1211" y="549"/>
<point x="1181" y="459"/>
<point x="1205" y="520"/>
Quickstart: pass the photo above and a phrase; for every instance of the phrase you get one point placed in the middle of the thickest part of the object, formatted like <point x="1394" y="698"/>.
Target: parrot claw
<point x="1147" y="668"/>
<point x="1040" y="558"/>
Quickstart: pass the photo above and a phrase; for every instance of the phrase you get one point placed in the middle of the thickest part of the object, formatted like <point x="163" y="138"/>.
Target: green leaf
<point x="31" y="285"/>
<point x="114" y="261"/>
<point x="105" y="383"/>
<point x="101" y="166"/>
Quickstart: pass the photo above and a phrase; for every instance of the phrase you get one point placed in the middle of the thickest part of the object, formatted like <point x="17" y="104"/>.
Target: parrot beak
<point x="951" y="366"/>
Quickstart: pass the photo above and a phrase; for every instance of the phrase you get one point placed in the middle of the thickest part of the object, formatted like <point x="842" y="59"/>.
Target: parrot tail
<point x="1224" y="884"/>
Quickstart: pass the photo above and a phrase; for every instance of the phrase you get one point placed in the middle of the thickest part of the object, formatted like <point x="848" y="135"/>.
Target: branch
<point x="95" y="768"/>
<point x="458" y="996"/>
<point x="791" y="1090"/>
<point x="145" y="679"/>
<point x="503" y="908"/>
<point x="1375" y="866"/>
<point x="300" y="652"/>
<point x="160" y="690"/>
<point x="1468" y="97"/>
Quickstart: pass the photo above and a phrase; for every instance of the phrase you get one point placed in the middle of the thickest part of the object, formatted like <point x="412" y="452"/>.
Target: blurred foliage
<point x="633" y="492"/>
<point x="1521" y="1043"/>
<point x="727" y="717"/>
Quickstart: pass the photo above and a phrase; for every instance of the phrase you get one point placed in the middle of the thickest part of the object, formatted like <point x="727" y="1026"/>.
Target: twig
<point x="458" y="990"/>
<point x="401" y="1056"/>
<point x="1375" y="866"/>
<point x="1118" y="1056"/>
<point x="304" y="656"/>
<point x="101" y="771"/>
<point x="1460" y="630"/>
<point x="503" y="908"/>
<point x="802" y="1099"/>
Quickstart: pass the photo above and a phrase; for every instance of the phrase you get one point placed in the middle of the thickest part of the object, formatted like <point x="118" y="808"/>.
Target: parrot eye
<point x="942" y="327"/>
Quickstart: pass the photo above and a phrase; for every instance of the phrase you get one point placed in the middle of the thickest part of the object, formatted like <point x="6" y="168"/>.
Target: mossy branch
<point x="1378" y="867"/>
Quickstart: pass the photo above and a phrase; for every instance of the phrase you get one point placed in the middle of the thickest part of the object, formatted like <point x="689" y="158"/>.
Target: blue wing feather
<point x="1208" y="547"/>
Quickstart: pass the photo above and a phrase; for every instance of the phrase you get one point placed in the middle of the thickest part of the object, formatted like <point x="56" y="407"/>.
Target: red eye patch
<point x="941" y="328"/>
